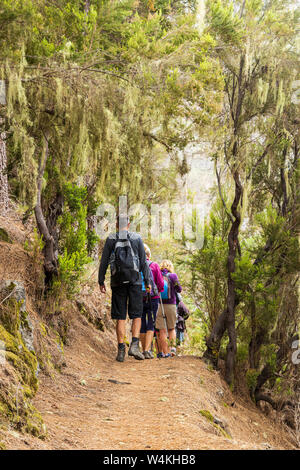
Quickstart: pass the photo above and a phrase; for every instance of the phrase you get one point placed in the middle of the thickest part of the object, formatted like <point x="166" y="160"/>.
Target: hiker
<point x="183" y="314"/>
<point x="166" y="315"/>
<point x="150" y="305"/>
<point x="125" y="253"/>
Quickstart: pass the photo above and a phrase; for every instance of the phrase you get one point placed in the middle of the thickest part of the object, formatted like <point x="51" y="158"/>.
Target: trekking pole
<point x="163" y="313"/>
<point x="150" y="303"/>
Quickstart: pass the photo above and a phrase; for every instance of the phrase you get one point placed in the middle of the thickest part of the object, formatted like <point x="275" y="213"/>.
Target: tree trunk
<point x="227" y="318"/>
<point x="233" y="244"/>
<point x="255" y="344"/>
<point x="54" y="211"/>
<point x="50" y="260"/>
<point x="50" y="257"/>
<point x="3" y="176"/>
<point x="213" y="342"/>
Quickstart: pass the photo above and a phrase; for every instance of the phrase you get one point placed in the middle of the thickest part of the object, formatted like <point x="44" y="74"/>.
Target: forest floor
<point x="98" y="403"/>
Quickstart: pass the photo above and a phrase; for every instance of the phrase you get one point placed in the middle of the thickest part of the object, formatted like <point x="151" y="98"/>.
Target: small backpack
<point x="154" y="290"/>
<point x="183" y="311"/>
<point x="166" y="294"/>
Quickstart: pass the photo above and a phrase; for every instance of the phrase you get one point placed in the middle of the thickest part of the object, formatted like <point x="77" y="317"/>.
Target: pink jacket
<point x="157" y="276"/>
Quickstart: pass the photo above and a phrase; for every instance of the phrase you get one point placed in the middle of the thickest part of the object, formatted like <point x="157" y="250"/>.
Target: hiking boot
<point x="134" y="351"/>
<point x="121" y="355"/>
<point x="160" y="355"/>
<point x="148" y="355"/>
<point x="173" y="352"/>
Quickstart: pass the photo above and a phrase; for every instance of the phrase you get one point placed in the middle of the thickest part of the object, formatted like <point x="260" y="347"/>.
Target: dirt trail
<point x="157" y="408"/>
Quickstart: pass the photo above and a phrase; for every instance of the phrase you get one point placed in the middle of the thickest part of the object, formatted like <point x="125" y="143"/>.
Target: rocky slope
<point x="33" y="334"/>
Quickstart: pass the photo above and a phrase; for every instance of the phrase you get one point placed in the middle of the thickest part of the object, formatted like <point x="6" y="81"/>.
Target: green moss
<point x="15" y="402"/>
<point x="222" y="431"/>
<point x="10" y="315"/>
<point x="35" y="426"/>
<point x="43" y="329"/>
<point x="5" y="408"/>
<point x="2" y="446"/>
<point x="4" y="237"/>
<point x="23" y="319"/>
<point x="207" y="414"/>
<point x="16" y="406"/>
<point x="23" y="360"/>
<point x="97" y="322"/>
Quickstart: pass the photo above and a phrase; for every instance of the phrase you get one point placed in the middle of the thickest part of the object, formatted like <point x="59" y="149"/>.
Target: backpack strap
<point x="168" y="276"/>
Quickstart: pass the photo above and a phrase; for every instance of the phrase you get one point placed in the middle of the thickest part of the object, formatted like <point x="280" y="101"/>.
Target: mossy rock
<point x="35" y="425"/>
<point x="217" y="423"/>
<point x="17" y="408"/>
<point x="26" y="370"/>
<point x="4" y="237"/>
<point x="22" y="364"/>
<point x="24" y="361"/>
<point x="11" y="314"/>
<point x="19" y="385"/>
<point x="222" y="431"/>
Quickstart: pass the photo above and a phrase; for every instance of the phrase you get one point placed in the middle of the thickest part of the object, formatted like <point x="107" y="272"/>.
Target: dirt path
<point x="156" y="405"/>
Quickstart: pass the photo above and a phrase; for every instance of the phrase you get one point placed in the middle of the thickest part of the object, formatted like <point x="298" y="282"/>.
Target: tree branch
<point x="221" y="195"/>
<point x="259" y="160"/>
<point x="148" y="134"/>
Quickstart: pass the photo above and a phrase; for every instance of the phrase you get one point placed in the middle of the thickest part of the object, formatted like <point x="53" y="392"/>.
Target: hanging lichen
<point x="280" y="98"/>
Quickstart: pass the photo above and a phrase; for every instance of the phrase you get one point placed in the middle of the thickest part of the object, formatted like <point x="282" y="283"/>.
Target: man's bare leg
<point x="120" y="330"/>
<point x="136" y="327"/>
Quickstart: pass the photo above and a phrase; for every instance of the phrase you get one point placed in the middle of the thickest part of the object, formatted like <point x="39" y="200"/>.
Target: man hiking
<point x="125" y="253"/>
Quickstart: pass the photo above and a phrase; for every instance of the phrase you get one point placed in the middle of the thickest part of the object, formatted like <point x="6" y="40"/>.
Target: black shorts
<point x="123" y="296"/>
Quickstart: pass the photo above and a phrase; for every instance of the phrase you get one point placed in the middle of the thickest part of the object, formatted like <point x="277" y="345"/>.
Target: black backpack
<point x="124" y="262"/>
<point x="154" y="290"/>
